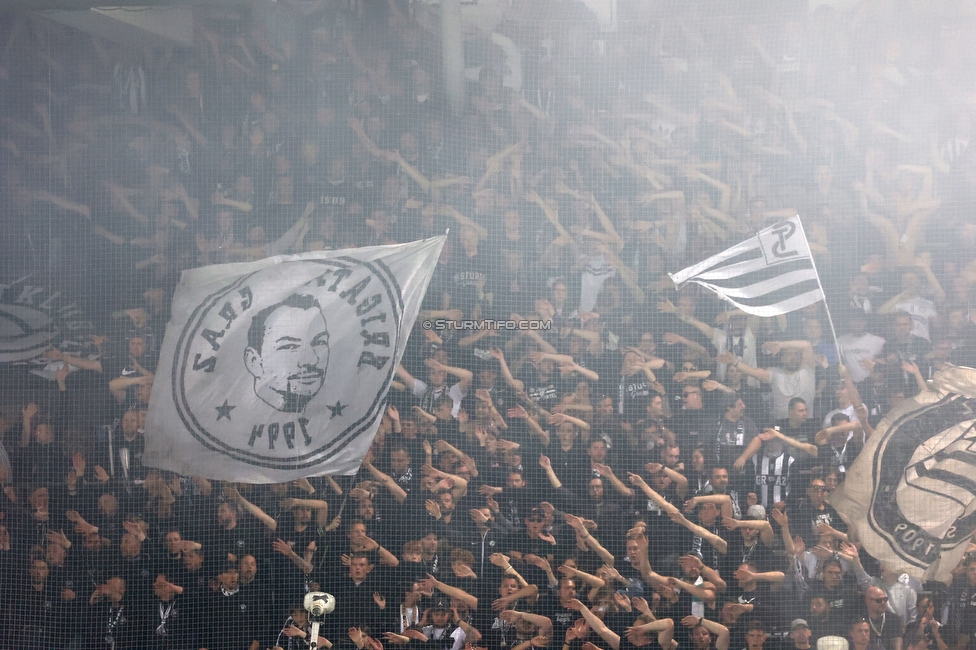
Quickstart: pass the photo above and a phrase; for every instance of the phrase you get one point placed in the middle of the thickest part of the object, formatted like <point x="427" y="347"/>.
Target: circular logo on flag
<point x="924" y="501"/>
<point x="283" y="367"/>
<point x="34" y="319"/>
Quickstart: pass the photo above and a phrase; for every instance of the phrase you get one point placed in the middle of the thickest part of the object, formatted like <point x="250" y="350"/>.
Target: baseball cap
<point x="756" y="512"/>
<point x="798" y="622"/>
<point x="832" y="643"/>
<point x="440" y="605"/>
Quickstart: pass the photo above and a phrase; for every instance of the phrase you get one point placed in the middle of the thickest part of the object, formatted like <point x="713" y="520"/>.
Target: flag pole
<point x="830" y="320"/>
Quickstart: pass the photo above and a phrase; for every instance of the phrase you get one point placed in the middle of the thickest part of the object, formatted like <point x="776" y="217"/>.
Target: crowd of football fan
<point x="636" y="466"/>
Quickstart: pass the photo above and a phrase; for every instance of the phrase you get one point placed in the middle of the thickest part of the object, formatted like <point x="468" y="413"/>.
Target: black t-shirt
<point x="765" y="606"/>
<point x="634" y="393"/>
<point x="468" y="278"/>
<point x="886" y="629"/>
<point x="562" y="618"/>
<point x="843" y="601"/>
<point x="690" y="425"/>
<point x="840" y="457"/>
<point x="525" y="545"/>
<point x="806" y="431"/>
<point x="963" y="603"/>
<point x="737" y="555"/>
<point x="290" y="582"/>
<point x="804" y="519"/>
<point x="570" y="465"/>
<point x="702" y="548"/>
<point x="243" y="539"/>
<point x="664" y="537"/>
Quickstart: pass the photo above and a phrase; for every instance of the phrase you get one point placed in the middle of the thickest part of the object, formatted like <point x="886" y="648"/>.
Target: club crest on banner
<point x="911" y="494"/>
<point x="34" y="318"/>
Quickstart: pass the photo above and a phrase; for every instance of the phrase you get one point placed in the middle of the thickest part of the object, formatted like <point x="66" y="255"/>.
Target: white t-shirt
<point x="596" y="271"/>
<point x="850" y="412"/>
<point x="854" y="350"/>
<point x="921" y="311"/>
<point x="438" y="633"/>
<point x="785" y="386"/>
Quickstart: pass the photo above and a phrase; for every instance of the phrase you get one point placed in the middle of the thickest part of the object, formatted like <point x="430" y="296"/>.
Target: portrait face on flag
<point x="288" y="352"/>
<point x="279" y="369"/>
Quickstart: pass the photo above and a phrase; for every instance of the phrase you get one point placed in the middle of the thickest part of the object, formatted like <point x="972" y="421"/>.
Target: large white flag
<point x="769" y="274"/>
<point x="276" y="370"/>
<point x="910" y="496"/>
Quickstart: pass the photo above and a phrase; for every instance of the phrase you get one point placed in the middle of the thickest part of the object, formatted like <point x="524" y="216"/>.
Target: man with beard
<point x="288" y="353"/>
<point x="904" y="347"/>
<point x="718" y="485"/>
<point x="795" y="376"/>
<point x="886" y="626"/>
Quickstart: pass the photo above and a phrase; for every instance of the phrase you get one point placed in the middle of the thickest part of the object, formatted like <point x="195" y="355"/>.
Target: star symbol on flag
<point x="337" y="409"/>
<point x="224" y="410"/>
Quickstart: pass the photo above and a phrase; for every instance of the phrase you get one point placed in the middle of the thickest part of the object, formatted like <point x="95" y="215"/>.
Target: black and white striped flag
<point x="769" y="274"/>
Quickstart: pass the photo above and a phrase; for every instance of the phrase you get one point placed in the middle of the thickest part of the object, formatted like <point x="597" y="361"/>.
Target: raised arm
<point x="637" y="481"/>
<point x="534" y="427"/>
<point x="704" y="591"/>
<point x="761" y="374"/>
<point x="588" y="539"/>
<point x="710" y="574"/>
<point x="783" y="520"/>
<point x="668" y="307"/>
<point x="714" y="540"/>
<point x="78" y="362"/>
<point x="774" y="578"/>
<point x="407" y="378"/>
<point x="320" y="507"/>
<point x="775" y="347"/>
<point x="303" y="563"/>
<point x="546" y="465"/>
<point x="455" y="592"/>
<point x="597" y="625"/>
<point x="723" y="501"/>
<point x="607" y="472"/>
<point x="266" y="519"/>
<point x="506" y="373"/>
<point x="559" y="418"/>
<point x="387" y="481"/>
<point x="805" y="447"/>
<point x="765" y="530"/>
<point x="588" y="578"/>
<point x="680" y="480"/>
<point x="720" y="631"/>
<point x="120" y="385"/>
<point x="664" y="628"/>
<point x="671" y="339"/>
